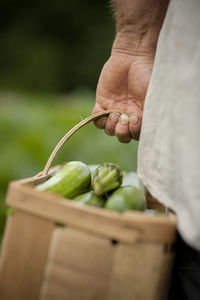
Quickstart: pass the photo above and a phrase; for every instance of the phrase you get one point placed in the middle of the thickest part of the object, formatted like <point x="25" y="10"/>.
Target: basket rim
<point x="129" y="226"/>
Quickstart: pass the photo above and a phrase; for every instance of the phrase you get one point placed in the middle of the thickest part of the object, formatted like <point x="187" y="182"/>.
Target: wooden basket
<point x="96" y="255"/>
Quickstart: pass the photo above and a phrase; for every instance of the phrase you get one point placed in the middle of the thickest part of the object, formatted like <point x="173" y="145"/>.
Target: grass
<point x="32" y="124"/>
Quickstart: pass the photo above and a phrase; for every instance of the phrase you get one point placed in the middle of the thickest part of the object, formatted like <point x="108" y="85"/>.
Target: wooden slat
<point x="79" y="266"/>
<point x="83" y="266"/>
<point x="141" y="272"/>
<point x="128" y="227"/>
<point x="23" y="256"/>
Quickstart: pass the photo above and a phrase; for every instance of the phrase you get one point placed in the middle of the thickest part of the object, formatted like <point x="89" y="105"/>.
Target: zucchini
<point x="131" y="178"/>
<point x="90" y="198"/>
<point x="107" y="177"/>
<point x="71" y="180"/>
<point x="126" y="197"/>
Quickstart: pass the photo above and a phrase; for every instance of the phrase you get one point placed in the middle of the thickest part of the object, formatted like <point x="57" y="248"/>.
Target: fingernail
<point x="114" y="118"/>
<point x="134" y="119"/>
<point x="124" y="119"/>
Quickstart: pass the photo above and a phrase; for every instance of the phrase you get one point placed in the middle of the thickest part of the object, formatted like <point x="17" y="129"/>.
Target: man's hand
<point x="125" y="76"/>
<point x="122" y="86"/>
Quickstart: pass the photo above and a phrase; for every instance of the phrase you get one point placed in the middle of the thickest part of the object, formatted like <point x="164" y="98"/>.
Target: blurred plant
<point x="53" y="45"/>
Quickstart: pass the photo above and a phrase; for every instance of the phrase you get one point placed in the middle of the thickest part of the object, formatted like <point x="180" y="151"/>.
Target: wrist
<point x="135" y="43"/>
<point x="138" y="25"/>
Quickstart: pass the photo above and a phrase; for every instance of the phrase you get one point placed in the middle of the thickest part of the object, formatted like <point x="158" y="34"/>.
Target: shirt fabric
<point x="169" y="148"/>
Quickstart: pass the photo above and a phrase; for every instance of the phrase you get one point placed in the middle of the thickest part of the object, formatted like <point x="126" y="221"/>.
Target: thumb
<point x="101" y="121"/>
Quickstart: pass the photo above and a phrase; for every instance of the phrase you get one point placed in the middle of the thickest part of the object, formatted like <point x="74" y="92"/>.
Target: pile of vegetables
<point x="105" y="186"/>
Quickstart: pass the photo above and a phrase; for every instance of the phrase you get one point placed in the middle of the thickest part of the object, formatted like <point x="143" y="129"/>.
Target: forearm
<point x="138" y="24"/>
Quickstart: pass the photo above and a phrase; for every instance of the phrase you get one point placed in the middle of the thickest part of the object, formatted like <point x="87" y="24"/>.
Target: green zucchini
<point x="71" y="180"/>
<point x="131" y="178"/>
<point x="126" y="197"/>
<point x="107" y="177"/>
<point x="90" y="198"/>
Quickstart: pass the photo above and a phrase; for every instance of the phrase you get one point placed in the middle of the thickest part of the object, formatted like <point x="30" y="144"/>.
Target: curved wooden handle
<point x="71" y="132"/>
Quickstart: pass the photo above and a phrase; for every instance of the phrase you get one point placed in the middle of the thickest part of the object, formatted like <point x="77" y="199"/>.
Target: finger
<point x="122" y="129"/>
<point x="101" y="122"/>
<point x="135" y="121"/>
<point x="111" y="123"/>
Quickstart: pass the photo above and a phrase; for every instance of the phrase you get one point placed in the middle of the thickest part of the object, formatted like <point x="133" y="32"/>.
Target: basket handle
<point x="71" y="132"/>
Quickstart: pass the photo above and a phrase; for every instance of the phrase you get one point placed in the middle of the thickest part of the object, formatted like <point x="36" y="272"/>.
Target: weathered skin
<point x="125" y="76"/>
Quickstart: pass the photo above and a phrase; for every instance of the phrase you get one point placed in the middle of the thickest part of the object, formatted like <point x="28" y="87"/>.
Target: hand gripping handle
<point x="71" y="132"/>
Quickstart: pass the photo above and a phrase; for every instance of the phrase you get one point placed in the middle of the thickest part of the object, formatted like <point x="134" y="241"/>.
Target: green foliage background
<point x="53" y="45"/>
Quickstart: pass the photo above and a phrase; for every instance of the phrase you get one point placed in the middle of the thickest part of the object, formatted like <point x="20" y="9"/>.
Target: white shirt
<point x="169" y="148"/>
